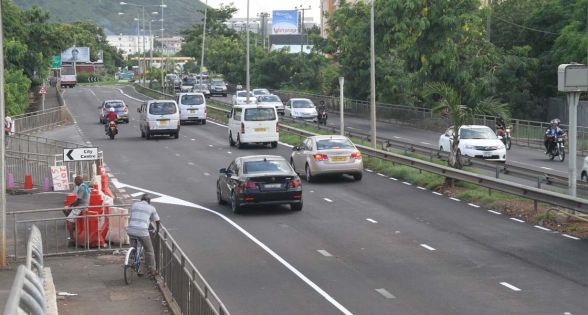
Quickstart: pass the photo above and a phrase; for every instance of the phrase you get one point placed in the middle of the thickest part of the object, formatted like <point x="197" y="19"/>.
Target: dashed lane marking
<point x="427" y="247"/>
<point x="327" y="200"/>
<point x="572" y="237"/>
<point x="371" y="220"/>
<point x="394" y="179"/>
<point x="437" y="193"/>
<point x="421" y="188"/>
<point x="407" y="183"/>
<point x="473" y="205"/>
<point x="380" y="174"/>
<point x="542" y="228"/>
<point x="454" y="199"/>
<point x="324" y="253"/>
<point x="495" y="212"/>
<point x="385" y="293"/>
<point x="425" y="143"/>
<point x="518" y="220"/>
<point x="368" y="170"/>
<point x="510" y="286"/>
<point x="191" y="163"/>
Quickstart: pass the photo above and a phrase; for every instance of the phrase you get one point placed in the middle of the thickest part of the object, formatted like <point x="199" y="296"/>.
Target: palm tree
<point x="449" y="104"/>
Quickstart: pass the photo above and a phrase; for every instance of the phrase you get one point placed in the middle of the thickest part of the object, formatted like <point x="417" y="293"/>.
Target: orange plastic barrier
<point x="87" y="229"/>
<point x="69" y="199"/>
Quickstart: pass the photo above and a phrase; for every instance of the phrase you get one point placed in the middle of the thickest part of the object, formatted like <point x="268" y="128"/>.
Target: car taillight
<point x="277" y="126"/>
<point x="356" y="155"/>
<point x="247" y="184"/>
<point x="320" y="157"/>
<point x="242" y="128"/>
<point x="295" y="183"/>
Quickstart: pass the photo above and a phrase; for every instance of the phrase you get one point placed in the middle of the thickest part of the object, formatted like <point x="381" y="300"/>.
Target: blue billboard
<point x="285" y="22"/>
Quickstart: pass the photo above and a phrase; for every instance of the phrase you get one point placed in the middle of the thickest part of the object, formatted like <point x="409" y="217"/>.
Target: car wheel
<point x="239" y="144"/>
<point x="235" y="206"/>
<point x="204" y="121"/>
<point x="126" y="121"/>
<point x="296" y="206"/>
<point x="358" y="176"/>
<point x="231" y="141"/>
<point x="147" y="135"/>
<point x="308" y="174"/>
<point x="584" y="177"/>
<point x="219" y="196"/>
<point x="177" y="134"/>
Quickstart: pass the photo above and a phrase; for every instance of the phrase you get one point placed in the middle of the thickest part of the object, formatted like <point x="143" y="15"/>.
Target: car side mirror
<point x="296" y="148"/>
<point x="222" y="171"/>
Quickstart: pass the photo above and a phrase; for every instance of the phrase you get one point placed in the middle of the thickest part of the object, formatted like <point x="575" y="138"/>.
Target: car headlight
<point x="469" y="147"/>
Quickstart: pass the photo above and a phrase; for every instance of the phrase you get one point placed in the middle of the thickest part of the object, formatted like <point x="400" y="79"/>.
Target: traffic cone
<point x="28" y="184"/>
<point x="46" y="186"/>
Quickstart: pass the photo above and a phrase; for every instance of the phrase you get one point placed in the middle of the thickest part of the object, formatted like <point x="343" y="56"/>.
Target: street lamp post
<point x="247" y="63"/>
<point x="372" y="79"/>
<point x="300" y="8"/>
<point x="203" y="41"/>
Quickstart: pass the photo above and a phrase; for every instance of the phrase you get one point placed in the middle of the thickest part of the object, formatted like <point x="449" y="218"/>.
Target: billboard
<point x="285" y="22"/>
<point x="81" y="54"/>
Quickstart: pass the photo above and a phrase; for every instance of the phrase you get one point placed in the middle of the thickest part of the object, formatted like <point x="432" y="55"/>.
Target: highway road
<point x="377" y="246"/>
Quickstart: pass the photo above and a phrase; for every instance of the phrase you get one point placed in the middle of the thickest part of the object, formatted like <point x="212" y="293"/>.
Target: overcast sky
<point x="257" y="6"/>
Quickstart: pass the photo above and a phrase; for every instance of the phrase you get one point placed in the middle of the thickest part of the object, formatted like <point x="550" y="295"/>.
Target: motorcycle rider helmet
<point x="111" y="109"/>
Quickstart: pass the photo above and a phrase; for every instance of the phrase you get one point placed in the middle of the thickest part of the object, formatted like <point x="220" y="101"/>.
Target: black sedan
<point x="259" y="180"/>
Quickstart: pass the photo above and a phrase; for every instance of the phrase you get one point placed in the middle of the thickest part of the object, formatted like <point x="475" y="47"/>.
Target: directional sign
<point x="80" y="154"/>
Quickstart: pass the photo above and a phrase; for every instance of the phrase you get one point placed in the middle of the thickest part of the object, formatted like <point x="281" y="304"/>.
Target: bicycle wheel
<point x="129" y="267"/>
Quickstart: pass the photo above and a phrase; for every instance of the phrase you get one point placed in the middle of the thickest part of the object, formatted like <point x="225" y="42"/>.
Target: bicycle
<point x="134" y="260"/>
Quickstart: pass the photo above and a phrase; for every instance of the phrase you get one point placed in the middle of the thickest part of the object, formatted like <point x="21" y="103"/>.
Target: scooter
<point x="112" y="130"/>
<point x="556" y="148"/>
<point x="322" y="114"/>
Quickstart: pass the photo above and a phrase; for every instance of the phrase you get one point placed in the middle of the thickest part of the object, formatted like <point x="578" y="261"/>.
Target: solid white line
<point x="372" y="220"/>
<point x="229" y="152"/>
<point x="427" y="247"/>
<point x="397" y="137"/>
<point x="421" y="188"/>
<point x="518" y="220"/>
<point x="191" y="163"/>
<point x="380" y="174"/>
<point x="268" y="250"/>
<point x="495" y="212"/>
<point x="546" y="168"/>
<point x="210" y="145"/>
<point x="206" y="174"/>
<point x="569" y="236"/>
<point x="385" y="293"/>
<point x="137" y="194"/>
<point x="438" y="193"/>
<point x="324" y="253"/>
<point x="454" y="199"/>
<point x="368" y="170"/>
<point x="133" y="98"/>
<point x="177" y="154"/>
<point x="510" y="286"/>
<point x="473" y="205"/>
<point x="425" y="143"/>
<point x="327" y="200"/>
<point x="407" y="183"/>
<point x="542" y="228"/>
<point x="392" y="178"/>
<point x="122" y="190"/>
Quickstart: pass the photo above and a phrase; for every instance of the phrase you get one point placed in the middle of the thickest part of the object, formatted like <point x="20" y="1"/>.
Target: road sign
<point x="43" y="90"/>
<point x="80" y="154"/>
<point x="56" y="61"/>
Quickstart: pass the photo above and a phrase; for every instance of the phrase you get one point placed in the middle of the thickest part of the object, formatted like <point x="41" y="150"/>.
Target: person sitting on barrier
<point x="141" y="215"/>
<point x="82" y="192"/>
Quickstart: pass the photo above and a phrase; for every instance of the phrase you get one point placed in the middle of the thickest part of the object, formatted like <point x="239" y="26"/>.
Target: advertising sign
<point x="79" y="54"/>
<point x="59" y="176"/>
<point x="285" y="22"/>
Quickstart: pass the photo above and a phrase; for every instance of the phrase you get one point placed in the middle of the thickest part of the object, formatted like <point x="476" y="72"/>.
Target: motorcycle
<point x="504" y="136"/>
<point x="322" y="115"/>
<point x="556" y="148"/>
<point x="112" y="130"/>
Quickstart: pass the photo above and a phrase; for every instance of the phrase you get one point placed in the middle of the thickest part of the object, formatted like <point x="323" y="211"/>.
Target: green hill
<point x="179" y="14"/>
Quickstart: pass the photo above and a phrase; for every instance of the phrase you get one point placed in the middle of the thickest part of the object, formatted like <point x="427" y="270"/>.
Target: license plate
<point x="164" y="122"/>
<point x="272" y="185"/>
<point x="339" y="158"/>
<point x="260" y="129"/>
<point x="487" y="154"/>
<point x="192" y="111"/>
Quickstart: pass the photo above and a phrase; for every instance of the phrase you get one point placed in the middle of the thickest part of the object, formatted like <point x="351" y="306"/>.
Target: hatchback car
<point x="259" y="180"/>
<point x="323" y="155"/>
<point x="301" y="108"/>
<point x="240" y="98"/>
<point x="120" y="108"/>
<point x="273" y="100"/>
<point x="475" y="141"/>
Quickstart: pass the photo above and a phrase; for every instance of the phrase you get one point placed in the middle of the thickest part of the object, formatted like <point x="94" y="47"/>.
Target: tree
<point x="449" y="103"/>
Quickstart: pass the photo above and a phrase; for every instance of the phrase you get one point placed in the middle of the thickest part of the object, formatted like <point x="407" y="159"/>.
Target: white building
<point x="132" y="44"/>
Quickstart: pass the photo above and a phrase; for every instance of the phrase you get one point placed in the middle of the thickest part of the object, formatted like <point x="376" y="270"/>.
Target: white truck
<point x="68" y="77"/>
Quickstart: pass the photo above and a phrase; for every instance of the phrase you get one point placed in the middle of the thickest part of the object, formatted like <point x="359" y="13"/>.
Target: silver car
<point x="329" y="154"/>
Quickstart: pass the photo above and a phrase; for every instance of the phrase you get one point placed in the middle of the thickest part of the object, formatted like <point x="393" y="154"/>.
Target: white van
<point x="253" y="124"/>
<point x="159" y="117"/>
<point x="192" y="107"/>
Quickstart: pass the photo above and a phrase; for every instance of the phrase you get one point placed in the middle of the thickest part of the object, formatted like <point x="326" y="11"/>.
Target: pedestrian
<point x="141" y="216"/>
<point x="81" y="203"/>
<point x="8" y="128"/>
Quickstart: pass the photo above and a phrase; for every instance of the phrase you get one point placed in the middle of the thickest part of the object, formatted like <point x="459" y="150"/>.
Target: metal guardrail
<point x="42" y="119"/>
<point x="34" y="260"/>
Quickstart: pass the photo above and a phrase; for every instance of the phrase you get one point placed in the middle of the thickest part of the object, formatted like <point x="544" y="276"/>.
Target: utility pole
<point x="143" y="38"/>
<point x="372" y="80"/>
<point x="300" y="8"/>
<point x="247" y="86"/>
<point x="2" y="158"/>
<point x="203" y="40"/>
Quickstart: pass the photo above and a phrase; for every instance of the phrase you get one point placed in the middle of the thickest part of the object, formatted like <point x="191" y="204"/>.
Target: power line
<point x="525" y="27"/>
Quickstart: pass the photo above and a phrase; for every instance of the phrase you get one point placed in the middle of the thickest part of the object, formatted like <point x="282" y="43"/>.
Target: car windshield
<point x="218" y="82"/>
<point x="189" y="82"/>
<point x="476" y="133"/>
<point x="266" y="166"/>
<point x="162" y="108"/>
<point x="326" y="144"/>
<point x="260" y="92"/>
<point x="244" y="94"/>
<point x="192" y="100"/>
<point x="116" y="105"/>
<point x="270" y="98"/>
<point x="260" y="114"/>
<point x="302" y="104"/>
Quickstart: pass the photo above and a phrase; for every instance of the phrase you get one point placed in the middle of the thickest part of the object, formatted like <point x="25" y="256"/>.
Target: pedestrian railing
<point x="33" y="121"/>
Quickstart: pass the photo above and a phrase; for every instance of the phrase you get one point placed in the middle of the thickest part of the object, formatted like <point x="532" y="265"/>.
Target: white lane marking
<point x="380" y="174"/>
<point x="495" y="212"/>
<point x="569" y="236"/>
<point x="371" y="220"/>
<point x="385" y="293"/>
<point x="567" y="313"/>
<point x="518" y="220"/>
<point x="285" y="144"/>
<point x="421" y="188"/>
<point x="542" y="228"/>
<point x="92" y="92"/>
<point x="407" y="183"/>
<point x="122" y="190"/>
<point x="191" y="163"/>
<point x="210" y="145"/>
<point x="327" y="200"/>
<point x="510" y="286"/>
<point x="137" y="194"/>
<point x="229" y="152"/>
<point x="392" y="178"/>
<point x="558" y="171"/>
<point x="397" y="137"/>
<point x="177" y="154"/>
<point x="425" y="142"/>
<point x="368" y="170"/>
<point x="324" y="253"/>
<point x="133" y="98"/>
<point x="546" y="168"/>
<point x="454" y="199"/>
<point x="438" y="193"/>
<point x="428" y="247"/>
<point x="192" y="139"/>
<point x="312" y="191"/>
<point x="206" y="174"/>
<point x="473" y="205"/>
<point x="352" y="128"/>
<point x="300" y="275"/>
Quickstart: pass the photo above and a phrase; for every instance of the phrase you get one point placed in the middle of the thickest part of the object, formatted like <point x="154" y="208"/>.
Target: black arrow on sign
<point x="69" y="155"/>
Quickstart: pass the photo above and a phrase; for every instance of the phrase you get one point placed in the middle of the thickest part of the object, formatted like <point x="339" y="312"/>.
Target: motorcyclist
<point x="322" y="109"/>
<point x="111" y="116"/>
<point x="552" y="133"/>
<point x="500" y="127"/>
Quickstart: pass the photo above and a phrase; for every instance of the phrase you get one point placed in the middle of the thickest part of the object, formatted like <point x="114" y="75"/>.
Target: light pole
<point x="203" y="40"/>
<point x="372" y="79"/>
<point x="247" y="86"/>
<point x="263" y="16"/>
<point x="300" y="8"/>
<point x="2" y="158"/>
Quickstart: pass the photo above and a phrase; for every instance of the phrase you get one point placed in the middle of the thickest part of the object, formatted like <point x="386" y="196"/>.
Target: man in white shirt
<point x="140" y="217"/>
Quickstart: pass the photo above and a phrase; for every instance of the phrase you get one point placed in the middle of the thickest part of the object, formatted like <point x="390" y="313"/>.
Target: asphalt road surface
<point x="378" y="246"/>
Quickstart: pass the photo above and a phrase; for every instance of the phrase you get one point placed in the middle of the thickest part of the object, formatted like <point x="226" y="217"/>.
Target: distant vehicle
<point x="327" y="155"/>
<point x="271" y="100"/>
<point x="120" y="108"/>
<point x="192" y="107"/>
<point x="258" y="92"/>
<point x="187" y="85"/>
<point x="240" y="98"/>
<point x="202" y="88"/>
<point x="475" y="141"/>
<point x="218" y="87"/>
<point x="259" y="180"/>
<point x="172" y="79"/>
<point x="253" y="124"/>
<point x="159" y="117"/>
<point x="68" y="77"/>
<point x="301" y="108"/>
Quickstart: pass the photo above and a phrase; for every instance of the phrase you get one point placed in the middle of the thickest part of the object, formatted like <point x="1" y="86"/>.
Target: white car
<point x="240" y="98"/>
<point x="259" y="92"/>
<point x="301" y="108"/>
<point x="273" y="100"/>
<point x="584" y="173"/>
<point x="475" y="141"/>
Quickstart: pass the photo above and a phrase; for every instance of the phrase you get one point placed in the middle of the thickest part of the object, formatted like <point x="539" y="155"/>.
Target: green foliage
<point x="16" y="91"/>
